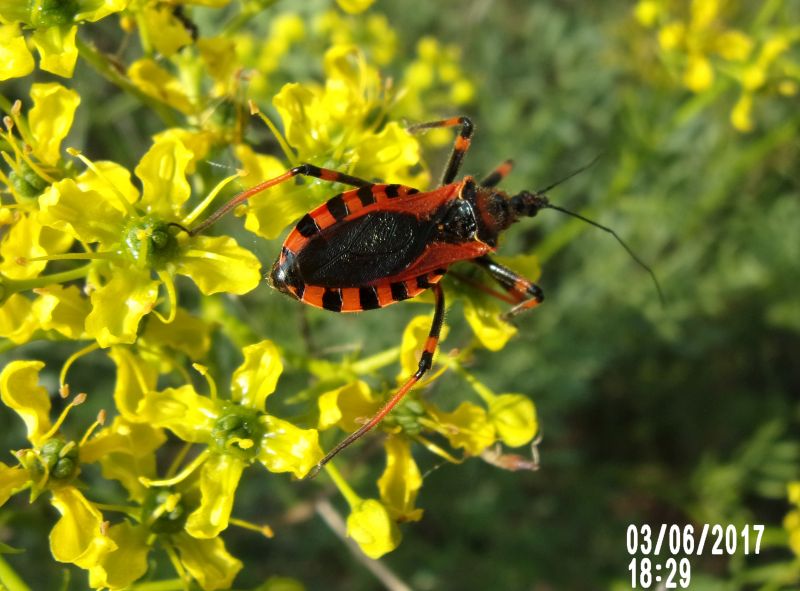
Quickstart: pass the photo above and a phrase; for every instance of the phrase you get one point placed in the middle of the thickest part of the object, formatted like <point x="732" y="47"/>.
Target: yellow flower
<point x="340" y="126"/>
<point x="53" y="464"/>
<point x="125" y="452"/>
<point x="34" y="157"/>
<point x="136" y="237"/>
<point x="237" y="432"/>
<point x="54" y="27"/>
<point x="695" y="39"/>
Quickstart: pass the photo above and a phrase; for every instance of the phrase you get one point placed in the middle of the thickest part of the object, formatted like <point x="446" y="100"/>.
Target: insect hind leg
<point x="524" y="293"/>
<point x="425" y="363"/>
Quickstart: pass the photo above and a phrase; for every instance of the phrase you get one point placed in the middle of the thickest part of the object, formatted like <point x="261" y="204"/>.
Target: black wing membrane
<point x="358" y="252"/>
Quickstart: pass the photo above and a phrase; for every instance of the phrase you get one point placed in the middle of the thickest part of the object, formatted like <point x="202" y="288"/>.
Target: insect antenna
<point x="569" y="176"/>
<point x="616" y="236"/>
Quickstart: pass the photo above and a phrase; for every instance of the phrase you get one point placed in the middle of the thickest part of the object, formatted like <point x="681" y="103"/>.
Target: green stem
<point x="8" y="287"/>
<point x="485" y="393"/>
<point x="9" y="579"/>
<point x="103" y="66"/>
<point x="375" y="362"/>
<point x="250" y="10"/>
<point x="347" y="492"/>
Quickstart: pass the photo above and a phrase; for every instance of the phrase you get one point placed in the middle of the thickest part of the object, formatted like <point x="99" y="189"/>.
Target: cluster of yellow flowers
<point x="90" y="252"/>
<point x="695" y="38"/>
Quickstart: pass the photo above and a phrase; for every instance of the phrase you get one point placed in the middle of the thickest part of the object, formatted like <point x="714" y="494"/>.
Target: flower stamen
<point x="212" y="384"/>
<point x="62" y="377"/>
<point x="180" y="476"/>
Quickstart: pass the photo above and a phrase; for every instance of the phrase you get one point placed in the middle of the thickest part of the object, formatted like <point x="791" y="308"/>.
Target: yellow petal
<point x="467" y="427"/>
<point x="118" y="307"/>
<point x="113" y="181"/>
<point x="347" y="405"/>
<point x="207" y="561"/>
<point x="20" y="243"/>
<point x="373" y="529"/>
<point x="219" y="56"/>
<point x="15" y="58"/>
<point x="12" y="479"/>
<point x="63" y="309"/>
<point x="17" y="322"/>
<point x="286" y="448"/>
<point x="21" y="392"/>
<point x="50" y="119"/>
<point x="125" y="565"/>
<point x="733" y="45"/>
<point x="414" y="337"/>
<point x="491" y="330"/>
<point x="298" y="106"/>
<point x="699" y="74"/>
<point x="186" y="333"/>
<point x="77" y="536"/>
<point x="89" y="215"/>
<point x="672" y="36"/>
<point x="219" y="478"/>
<point x="647" y="12"/>
<point x="135" y="379"/>
<point x="400" y="481"/>
<point x="703" y="13"/>
<point x="741" y="115"/>
<point x="94" y="10"/>
<point x="257" y="376"/>
<point x="218" y="263"/>
<point x="125" y="451"/>
<point x="391" y="155"/>
<point x="162" y="171"/>
<point x="157" y="82"/>
<point x="165" y="31"/>
<point x="181" y="410"/>
<point x="57" y="50"/>
<point x="514" y="417"/>
<point x="198" y="142"/>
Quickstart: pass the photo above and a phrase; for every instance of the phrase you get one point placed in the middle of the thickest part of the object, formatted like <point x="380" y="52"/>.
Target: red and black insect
<point x="378" y="244"/>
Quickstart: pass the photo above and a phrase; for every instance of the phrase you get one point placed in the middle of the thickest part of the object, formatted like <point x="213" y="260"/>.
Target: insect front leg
<point x="498" y="174"/>
<point x="460" y="147"/>
<point x="325" y="174"/>
<point x="425" y="363"/>
<point x="525" y="293"/>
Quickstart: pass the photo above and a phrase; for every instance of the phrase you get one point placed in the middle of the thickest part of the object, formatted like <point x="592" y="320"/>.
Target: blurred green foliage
<point x="686" y="413"/>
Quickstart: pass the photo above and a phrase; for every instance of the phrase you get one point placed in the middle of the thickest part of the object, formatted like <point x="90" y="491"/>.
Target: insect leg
<point x="497" y="175"/>
<point x="425" y="363"/>
<point x="459" y="148"/>
<point x="303" y="170"/>
<point x="525" y="293"/>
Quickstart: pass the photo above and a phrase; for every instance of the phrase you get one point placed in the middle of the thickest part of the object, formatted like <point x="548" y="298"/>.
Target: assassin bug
<point x="378" y="244"/>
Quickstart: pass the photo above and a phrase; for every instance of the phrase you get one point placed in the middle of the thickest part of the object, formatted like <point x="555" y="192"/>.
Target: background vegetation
<point x="686" y="413"/>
